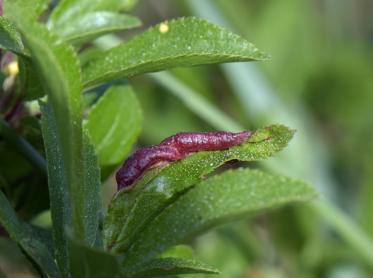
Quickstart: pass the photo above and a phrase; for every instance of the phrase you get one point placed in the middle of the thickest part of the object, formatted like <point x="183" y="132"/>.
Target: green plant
<point x="89" y="123"/>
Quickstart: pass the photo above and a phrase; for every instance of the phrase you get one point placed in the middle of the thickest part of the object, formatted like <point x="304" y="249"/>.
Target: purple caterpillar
<point x="175" y="148"/>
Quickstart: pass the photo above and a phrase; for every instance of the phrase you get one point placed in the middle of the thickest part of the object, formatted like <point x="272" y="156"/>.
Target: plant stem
<point x="23" y="147"/>
<point x="346" y="228"/>
<point x="196" y="103"/>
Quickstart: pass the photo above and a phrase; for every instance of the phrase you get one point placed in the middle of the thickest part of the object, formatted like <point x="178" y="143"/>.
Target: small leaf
<point x="181" y="42"/>
<point x="9" y="37"/>
<point x="172" y="266"/>
<point x="30" y="241"/>
<point x="131" y="211"/>
<point x="114" y="123"/>
<point x="232" y="195"/>
<point x="70" y="10"/>
<point x="95" y="24"/>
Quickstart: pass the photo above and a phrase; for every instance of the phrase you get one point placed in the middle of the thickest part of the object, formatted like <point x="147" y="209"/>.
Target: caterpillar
<point x="174" y="148"/>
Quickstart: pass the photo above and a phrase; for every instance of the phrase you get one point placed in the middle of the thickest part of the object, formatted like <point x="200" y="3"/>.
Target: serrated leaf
<point x="9" y="37"/>
<point x="27" y="238"/>
<point x="232" y="195"/>
<point x="71" y="9"/>
<point x="131" y="211"/>
<point x="172" y="266"/>
<point x="90" y="262"/>
<point x="114" y="123"/>
<point x="95" y="24"/>
<point x="181" y="42"/>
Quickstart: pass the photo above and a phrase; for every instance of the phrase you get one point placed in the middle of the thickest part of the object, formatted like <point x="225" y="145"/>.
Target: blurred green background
<point x="319" y="81"/>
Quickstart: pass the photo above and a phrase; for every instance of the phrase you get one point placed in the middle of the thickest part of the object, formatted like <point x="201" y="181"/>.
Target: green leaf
<point x="114" y="123"/>
<point x="181" y="42"/>
<point x="179" y="251"/>
<point x="89" y="262"/>
<point x="178" y="259"/>
<point x="95" y="24"/>
<point x="30" y="81"/>
<point x="58" y="187"/>
<point x="69" y="10"/>
<point x="27" y="238"/>
<point x="59" y="70"/>
<point x="232" y="195"/>
<point x="91" y="190"/>
<point x="131" y="211"/>
<point x="9" y="37"/>
<point x="172" y="266"/>
<point x="27" y="9"/>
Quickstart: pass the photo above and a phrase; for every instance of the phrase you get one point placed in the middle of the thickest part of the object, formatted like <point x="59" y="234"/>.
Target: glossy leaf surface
<point x="95" y="24"/>
<point x="180" y="42"/>
<point x="114" y="123"/>
<point x="71" y="9"/>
